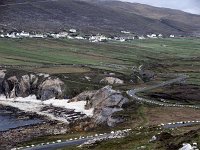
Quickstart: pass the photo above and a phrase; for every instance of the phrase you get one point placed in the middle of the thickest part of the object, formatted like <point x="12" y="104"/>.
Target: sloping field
<point x="160" y="55"/>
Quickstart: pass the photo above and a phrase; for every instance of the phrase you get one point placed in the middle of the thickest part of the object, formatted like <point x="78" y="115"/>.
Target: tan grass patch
<point x="159" y="115"/>
<point x="62" y="69"/>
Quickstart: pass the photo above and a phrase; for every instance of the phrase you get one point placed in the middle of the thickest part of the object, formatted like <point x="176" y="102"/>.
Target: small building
<point x="141" y="37"/>
<point x="152" y="36"/>
<point x="72" y="30"/>
<point x="160" y="35"/>
<point x="79" y="38"/>
<point x="126" y="32"/>
<point x="24" y="34"/>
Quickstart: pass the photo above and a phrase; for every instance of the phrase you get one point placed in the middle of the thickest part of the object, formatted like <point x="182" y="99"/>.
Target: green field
<point x="65" y="59"/>
<point x="161" y="55"/>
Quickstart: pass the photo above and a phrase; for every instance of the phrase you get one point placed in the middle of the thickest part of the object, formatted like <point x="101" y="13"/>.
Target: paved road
<point x="133" y="93"/>
<point x="58" y="145"/>
<point x="169" y="126"/>
<point x="55" y="146"/>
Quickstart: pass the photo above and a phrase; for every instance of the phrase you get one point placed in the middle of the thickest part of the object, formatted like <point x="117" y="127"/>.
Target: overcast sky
<point x="192" y="6"/>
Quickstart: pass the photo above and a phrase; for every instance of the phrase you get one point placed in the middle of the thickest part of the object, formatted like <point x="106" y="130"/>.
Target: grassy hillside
<point x="153" y="12"/>
<point x="67" y="59"/>
<point x="160" y="55"/>
<point x="44" y="15"/>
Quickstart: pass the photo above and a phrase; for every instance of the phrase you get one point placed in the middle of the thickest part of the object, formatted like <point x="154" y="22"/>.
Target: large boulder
<point x="51" y="88"/>
<point x="146" y="75"/>
<point x="26" y="84"/>
<point x="33" y="83"/>
<point x="2" y="76"/>
<point x="84" y="96"/>
<point x="112" y="80"/>
<point x="10" y="86"/>
<point x="108" y="97"/>
<point x="23" y="87"/>
<point x="105" y="103"/>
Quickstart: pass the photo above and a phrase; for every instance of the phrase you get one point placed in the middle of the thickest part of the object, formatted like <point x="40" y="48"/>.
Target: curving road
<point x="55" y="146"/>
<point x="133" y="93"/>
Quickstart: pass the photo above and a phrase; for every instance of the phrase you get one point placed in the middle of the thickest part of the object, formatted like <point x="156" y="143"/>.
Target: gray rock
<point x="2" y="76"/>
<point x="112" y="80"/>
<point x="84" y="96"/>
<point x="104" y="115"/>
<point x="51" y="88"/>
<point x="106" y="102"/>
<point x="23" y="87"/>
<point x="29" y="84"/>
<point x="107" y="97"/>
<point x="11" y="89"/>
<point x="33" y="83"/>
<point x="146" y="75"/>
<point x="113" y="121"/>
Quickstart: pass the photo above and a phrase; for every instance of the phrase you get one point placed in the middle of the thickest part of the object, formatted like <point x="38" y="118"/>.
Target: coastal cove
<point x="10" y="121"/>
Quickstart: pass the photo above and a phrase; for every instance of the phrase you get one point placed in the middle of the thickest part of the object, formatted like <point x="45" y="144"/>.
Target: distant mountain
<point x="169" y="16"/>
<point x="94" y="16"/>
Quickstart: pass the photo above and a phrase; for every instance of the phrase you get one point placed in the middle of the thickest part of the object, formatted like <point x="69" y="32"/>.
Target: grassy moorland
<point x="65" y="58"/>
<point x="161" y="55"/>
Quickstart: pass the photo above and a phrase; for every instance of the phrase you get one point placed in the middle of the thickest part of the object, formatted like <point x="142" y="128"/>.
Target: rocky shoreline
<point x="19" y="114"/>
<point x="30" y="95"/>
<point x="12" y="137"/>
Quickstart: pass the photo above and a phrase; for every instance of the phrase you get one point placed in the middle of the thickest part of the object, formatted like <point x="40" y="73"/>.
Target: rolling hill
<point x="94" y="16"/>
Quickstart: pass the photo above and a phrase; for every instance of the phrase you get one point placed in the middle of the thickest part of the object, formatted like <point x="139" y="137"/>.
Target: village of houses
<point x="74" y="34"/>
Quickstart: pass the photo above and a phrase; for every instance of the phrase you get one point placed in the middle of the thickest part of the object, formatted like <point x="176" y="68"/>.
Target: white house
<point x="79" y="38"/>
<point x="38" y="36"/>
<point x="125" y="32"/>
<point x="63" y="34"/>
<point x="12" y="35"/>
<point x="121" y="39"/>
<point x="160" y="35"/>
<point x="98" y="38"/>
<point x="153" y="36"/>
<point x="172" y="36"/>
<point x="141" y="37"/>
<point x="24" y="34"/>
<point x="72" y="30"/>
<point x="70" y="37"/>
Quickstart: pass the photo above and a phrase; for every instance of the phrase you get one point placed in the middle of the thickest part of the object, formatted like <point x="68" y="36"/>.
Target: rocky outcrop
<point x="84" y="96"/>
<point x="25" y="85"/>
<point x="10" y="85"/>
<point x="146" y="75"/>
<point x="105" y="102"/>
<point x="2" y="76"/>
<point x="51" y="88"/>
<point x="141" y="74"/>
<point x="112" y="80"/>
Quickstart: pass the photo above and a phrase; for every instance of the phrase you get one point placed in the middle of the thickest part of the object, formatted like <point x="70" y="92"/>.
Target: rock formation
<point x="112" y="80"/>
<point x="105" y="102"/>
<point x="2" y="76"/>
<point x="25" y="85"/>
<point x="51" y="88"/>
